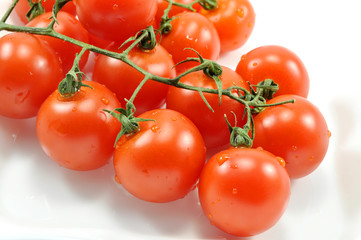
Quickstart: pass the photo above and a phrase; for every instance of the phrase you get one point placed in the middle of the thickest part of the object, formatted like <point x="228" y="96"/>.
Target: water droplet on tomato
<point x="210" y="216"/>
<point x="234" y="191"/>
<point x="240" y="12"/>
<point x="189" y="37"/>
<point x="155" y="128"/>
<point x="117" y="179"/>
<point x="174" y="119"/>
<point x="115" y="6"/>
<point x="234" y="166"/>
<point x="281" y="161"/>
<point x="105" y="101"/>
<point x="294" y="148"/>
<point x="221" y="159"/>
<point x="329" y="134"/>
<point x="310" y="158"/>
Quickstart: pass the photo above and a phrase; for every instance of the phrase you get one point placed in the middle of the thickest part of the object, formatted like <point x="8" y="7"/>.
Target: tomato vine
<point x="253" y="100"/>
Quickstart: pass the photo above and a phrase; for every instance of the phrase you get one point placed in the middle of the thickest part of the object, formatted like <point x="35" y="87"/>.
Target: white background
<point x="46" y="201"/>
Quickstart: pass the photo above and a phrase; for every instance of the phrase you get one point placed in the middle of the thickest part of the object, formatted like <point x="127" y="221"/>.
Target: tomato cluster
<point x="160" y="138"/>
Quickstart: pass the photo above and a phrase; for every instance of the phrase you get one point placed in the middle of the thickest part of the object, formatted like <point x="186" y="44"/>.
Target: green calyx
<point x="36" y="9"/>
<point x="240" y="136"/>
<point x="130" y="123"/>
<point x="208" y="4"/>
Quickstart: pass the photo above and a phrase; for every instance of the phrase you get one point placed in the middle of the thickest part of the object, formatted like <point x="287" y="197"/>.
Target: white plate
<point x="46" y="201"/>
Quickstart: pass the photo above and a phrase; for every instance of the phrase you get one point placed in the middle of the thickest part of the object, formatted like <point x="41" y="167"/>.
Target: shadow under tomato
<point x="165" y="219"/>
<point x="16" y="135"/>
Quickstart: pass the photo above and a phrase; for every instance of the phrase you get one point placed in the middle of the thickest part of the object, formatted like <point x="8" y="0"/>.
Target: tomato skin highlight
<point x="75" y="132"/>
<point x="212" y="125"/>
<point x="29" y="72"/>
<point x="244" y="191"/>
<point x="22" y="8"/>
<point x="279" y="64"/>
<point x="115" y="20"/>
<point x="191" y="30"/>
<point x="122" y="79"/>
<point x="163" y="160"/>
<point x="296" y="132"/>
<point x="234" y="21"/>
<point x="69" y="26"/>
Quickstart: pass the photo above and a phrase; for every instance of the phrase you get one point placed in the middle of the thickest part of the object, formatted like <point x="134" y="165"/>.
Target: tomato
<point x="69" y="26"/>
<point x="76" y="132"/>
<point x="191" y="30"/>
<point x="163" y="160"/>
<point x="115" y="20"/>
<point x="296" y="132"/>
<point x="22" y="8"/>
<point x="29" y="72"/>
<point x="279" y="64"/>
<point x="163" y="5"/>
<point x="234" y="21"/>
<point x="212" y="125"/>
<point x="244" y="191"/>
<point x="124" y="79"/>
<point x="99" y="42"/>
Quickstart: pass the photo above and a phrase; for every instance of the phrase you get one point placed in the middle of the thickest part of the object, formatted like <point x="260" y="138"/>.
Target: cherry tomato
<point x="191" y="30"/>
<point x="69" y="26"/>
<point x="163" y="5"/>
<point x="163" y="160"/>
<point x="22" y="8"/>
<point x="234" y="21"/>
<point x="29" y="72"/>
<point x="75" y="132"/>
<point x="212" y="125"/>
<point x="279" y="64"/>
<point x="244" y="191"/>
<point x="123" y="79"/>
<point x="115" y="20"/>
<point x="296" y="132"/>
<point x="99" y="42"/>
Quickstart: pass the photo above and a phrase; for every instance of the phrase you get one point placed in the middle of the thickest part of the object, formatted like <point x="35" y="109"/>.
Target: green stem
<point x="248" y="99"/>
<point x="8" y="12"/>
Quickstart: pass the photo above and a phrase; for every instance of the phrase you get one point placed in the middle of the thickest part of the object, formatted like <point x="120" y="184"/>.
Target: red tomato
<point x="22" y="8"/>
<point x="122" y="79"/>
<point x="75" y="132"/>
<point x="69" y="26"/>
<point x="163" y="5"/>
<point x="296" y="132"/>
<point x="279" y="64"/>
<point x="115" y="20"/>
<point x="191" y="30"/>
<point x="244" y="191"/>
<point x="234" y="21"/>
<point x="29" y="72"/>
<point x="99" y="42"/>
<point x="163" y="160"/>
<point x="212" y="125"/>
